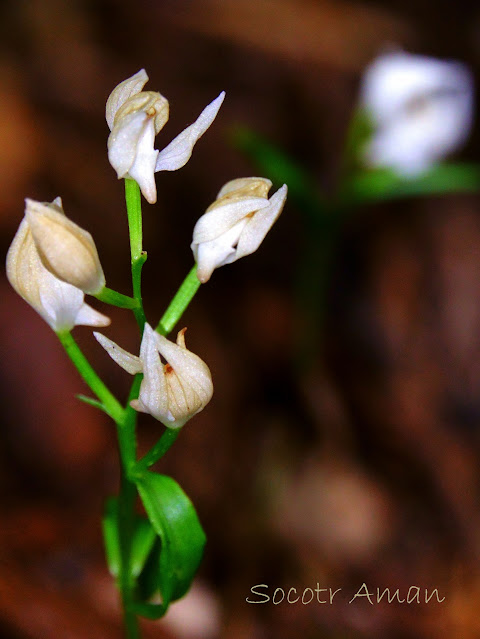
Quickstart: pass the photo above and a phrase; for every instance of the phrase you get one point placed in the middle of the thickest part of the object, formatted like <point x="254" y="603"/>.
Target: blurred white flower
<point x="65" y="249"/>
<point x="172" y="392"/>
<point x="235" y="224"/>
<point x="60" y="304"/>
<point x="421" y="109"/>
<point x="134" y="118"/>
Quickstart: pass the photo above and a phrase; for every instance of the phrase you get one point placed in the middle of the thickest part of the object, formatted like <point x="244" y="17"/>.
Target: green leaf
<point x="110" y="536"/>
<point x="149" y="610"/>
<point x="385" y="184"/>
<point x="147" y="582"/>
<point x="182" y="538"/>
<point x="143" y="540"/>
<point x="93" y="402"/>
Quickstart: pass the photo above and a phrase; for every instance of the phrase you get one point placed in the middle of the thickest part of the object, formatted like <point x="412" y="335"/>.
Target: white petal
<point x="218" y="252"/>
<point x="258" y="226"/>
<point x="122" y="92"/>
<point x="143" y="168"/>
<point x="220" y="219"/>
<point x="123" y="141"/>
<point x="178" y="152"/>
<point x="153" y="391"/>
<point x="61" y="302"/>
<point x="88" y="316"/>
<point x="130" y="363"/>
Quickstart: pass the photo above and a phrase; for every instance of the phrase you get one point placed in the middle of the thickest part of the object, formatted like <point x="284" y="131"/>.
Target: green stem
<point x="125" y="420"/>
<point x="158" y="451"/>
<point x="179" y="303"/>
<point x="138" y="255"/>
<point x="109" y="296"/>
<point x="126" y="511"/>
<point x="111" y="405"/>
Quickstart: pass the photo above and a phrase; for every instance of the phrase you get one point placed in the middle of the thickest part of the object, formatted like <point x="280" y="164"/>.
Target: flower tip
<point x="283" y="191"/>
<point x="181" y="337"/>
<point x="202" y="275"/>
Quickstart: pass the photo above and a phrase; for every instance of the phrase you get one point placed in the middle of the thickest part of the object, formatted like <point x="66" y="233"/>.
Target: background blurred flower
<point x="421" y="109"/>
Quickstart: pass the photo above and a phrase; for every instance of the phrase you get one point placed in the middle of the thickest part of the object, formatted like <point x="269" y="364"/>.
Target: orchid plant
<point x="53" y="263"/>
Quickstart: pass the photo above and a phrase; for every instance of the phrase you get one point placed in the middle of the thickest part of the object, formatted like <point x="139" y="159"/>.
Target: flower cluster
<point x="52" y="263"/>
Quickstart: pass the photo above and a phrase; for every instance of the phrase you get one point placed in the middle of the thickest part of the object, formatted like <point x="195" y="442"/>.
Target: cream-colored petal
<point x="130" y="363"/>
<point x="179" y="151"/>
<point x="190" y="368"/>
<point x="249" y="186"/>
<point x="65" y="249"/>
<point x="152" y="103"/>
<point x="122" y="93"/>
<point x="23" y="265"/>
<point x="258" y="226"/>
<point x="57" y="302"/>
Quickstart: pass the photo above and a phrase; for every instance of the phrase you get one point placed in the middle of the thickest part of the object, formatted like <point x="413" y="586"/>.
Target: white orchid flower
<point x="421" y="109"/>
<point x="60" y="304"/>
<point x="172" y="392"/>
<point x="235" y="224"/>
<point x="65" y="249"/>
<point x="134" y="118"/>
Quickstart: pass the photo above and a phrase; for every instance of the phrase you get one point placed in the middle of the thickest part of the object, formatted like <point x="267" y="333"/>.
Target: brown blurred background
<point x="361" y="466"/>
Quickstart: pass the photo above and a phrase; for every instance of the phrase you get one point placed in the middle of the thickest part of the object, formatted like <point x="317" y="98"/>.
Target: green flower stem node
<point x="180" y="302"/>
<point x="109" y="296"/>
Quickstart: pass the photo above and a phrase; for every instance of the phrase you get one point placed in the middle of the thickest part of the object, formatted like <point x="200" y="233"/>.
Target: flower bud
<point x="421" y="110"/>
<point x="172" y="392"/>
<point x="60" y="304"/>
<point x="65" y="249"/>
<point x="134" y="118"/>
<point x="235" y="224"/>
